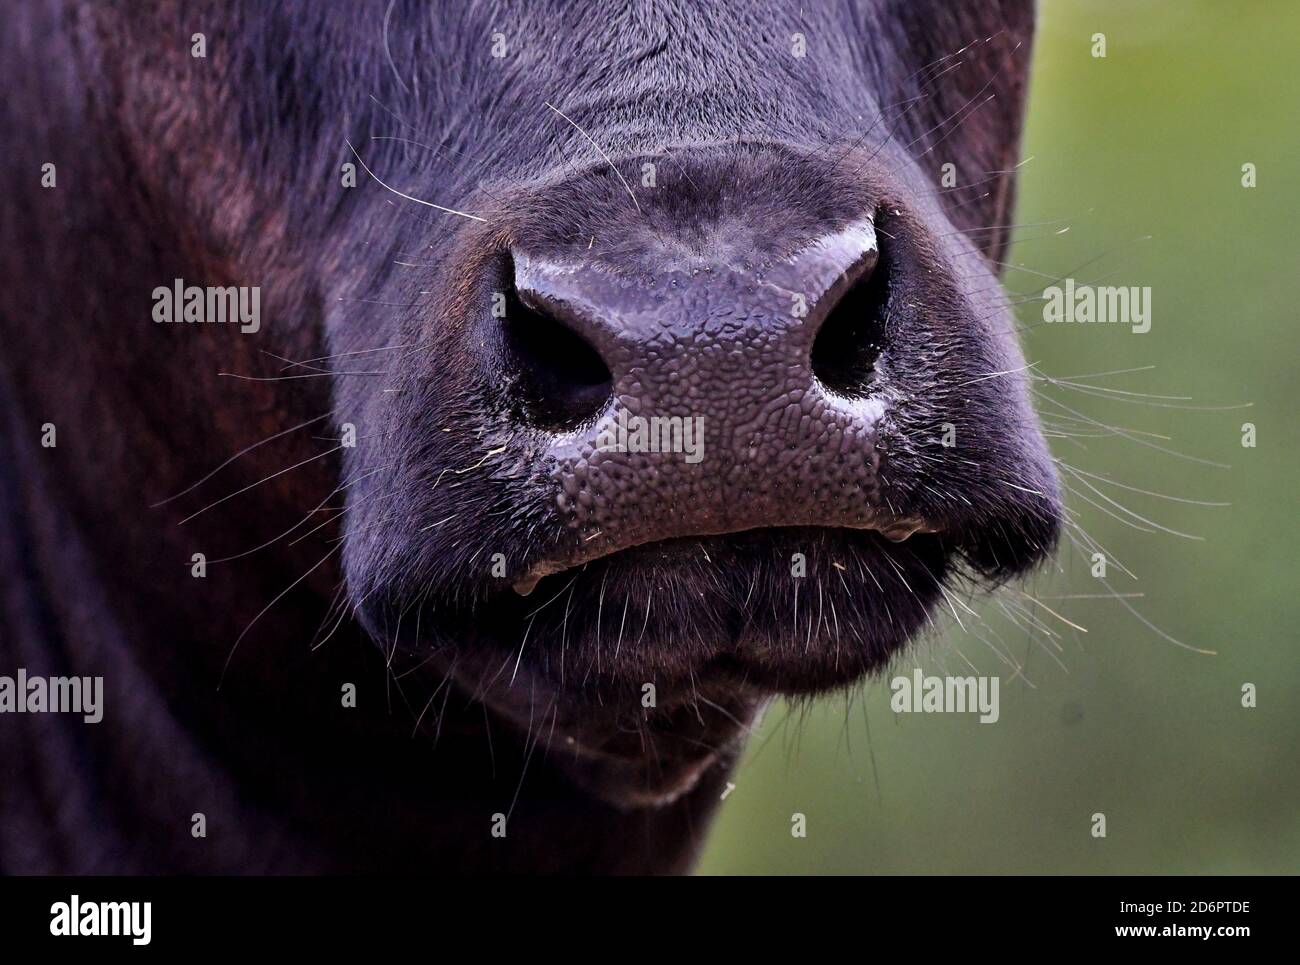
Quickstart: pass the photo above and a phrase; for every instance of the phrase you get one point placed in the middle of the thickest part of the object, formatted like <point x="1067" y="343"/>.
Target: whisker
<point x="241" y="452"/>
<point x="430" y="204"/>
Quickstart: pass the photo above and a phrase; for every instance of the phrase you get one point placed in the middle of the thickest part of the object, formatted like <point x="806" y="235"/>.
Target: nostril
<point x="561" y="380"/>
<point x="849" y="342"/>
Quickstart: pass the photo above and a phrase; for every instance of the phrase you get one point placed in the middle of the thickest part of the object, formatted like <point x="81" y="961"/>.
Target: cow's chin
<point x="614" y="748"/>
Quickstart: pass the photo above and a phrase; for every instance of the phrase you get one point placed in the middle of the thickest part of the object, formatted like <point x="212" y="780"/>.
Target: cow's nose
<point x="583" y="334"/>
<point x="708" y="396"/>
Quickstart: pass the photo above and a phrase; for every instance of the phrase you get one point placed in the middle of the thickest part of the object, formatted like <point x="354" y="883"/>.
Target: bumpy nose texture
<point x="716" y="421"/>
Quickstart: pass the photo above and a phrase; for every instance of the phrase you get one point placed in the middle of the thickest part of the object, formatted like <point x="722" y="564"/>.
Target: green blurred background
<point x="1149" y="141"/>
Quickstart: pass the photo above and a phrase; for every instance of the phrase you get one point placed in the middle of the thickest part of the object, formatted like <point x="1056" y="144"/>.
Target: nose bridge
<point x="708" y="319"/>
<point x="673" y="331"/>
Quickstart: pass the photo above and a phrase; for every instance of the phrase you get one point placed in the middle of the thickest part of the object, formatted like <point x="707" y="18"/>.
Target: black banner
<point x="231" y="914"/>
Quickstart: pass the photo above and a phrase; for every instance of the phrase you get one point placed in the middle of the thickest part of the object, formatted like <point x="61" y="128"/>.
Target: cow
<point x="588" y="375"/>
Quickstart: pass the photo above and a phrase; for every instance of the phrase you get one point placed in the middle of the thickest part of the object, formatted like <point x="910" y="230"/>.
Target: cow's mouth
<point x="896" y="529"/>
<point x="793" y="610"/>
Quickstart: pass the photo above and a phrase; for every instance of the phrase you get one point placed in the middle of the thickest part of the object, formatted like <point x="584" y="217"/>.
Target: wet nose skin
<point x="715" y="361"/>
